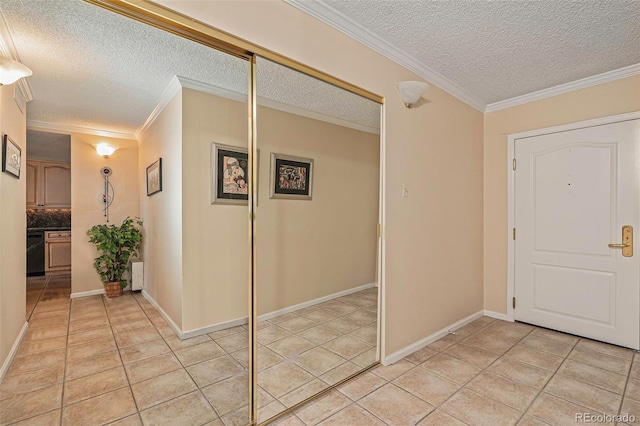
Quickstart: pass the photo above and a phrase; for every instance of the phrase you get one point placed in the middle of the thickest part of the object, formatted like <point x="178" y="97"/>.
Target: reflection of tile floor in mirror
<point x="96" y="361"/>
<point x="306" y="351"/>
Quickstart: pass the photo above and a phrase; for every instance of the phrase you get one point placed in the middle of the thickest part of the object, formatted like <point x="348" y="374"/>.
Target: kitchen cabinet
<point x="57" y="256"/>
<point x="48" y="184"/>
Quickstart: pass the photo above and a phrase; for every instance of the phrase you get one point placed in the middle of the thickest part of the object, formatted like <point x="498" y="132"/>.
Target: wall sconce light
<point x="411" y="91"/>
<point x="105" y="149"/>
<point x="12" y="71"/>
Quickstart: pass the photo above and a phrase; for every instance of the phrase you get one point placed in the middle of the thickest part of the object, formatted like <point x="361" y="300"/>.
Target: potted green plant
<point x="116" y="244"/>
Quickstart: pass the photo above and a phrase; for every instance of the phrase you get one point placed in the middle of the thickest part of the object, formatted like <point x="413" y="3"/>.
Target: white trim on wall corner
<point x="62" y="128"/>
<point x="13" y="351"/>
<point x="87" y="293"/>
<point x="606" y="77"/>
<point x="166" y="316"/>
<point x="416" y="346"/>
<point x="497" y="315"/>
<point x="169" y="92"/>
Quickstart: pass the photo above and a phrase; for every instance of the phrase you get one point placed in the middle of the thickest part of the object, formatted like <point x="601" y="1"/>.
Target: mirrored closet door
<point x="316" y="234"/>
<point x="270" y="203"/>
<point x="180" y="108"/>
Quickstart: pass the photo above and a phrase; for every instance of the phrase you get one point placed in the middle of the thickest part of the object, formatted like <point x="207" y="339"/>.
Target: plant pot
<point x="113" y="289"/>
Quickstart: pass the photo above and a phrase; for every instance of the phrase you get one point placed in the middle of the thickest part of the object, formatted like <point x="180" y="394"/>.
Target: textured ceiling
<point x="48" y="146"/>
<point x="497" y="50"/>
<point x="98" y="70"/>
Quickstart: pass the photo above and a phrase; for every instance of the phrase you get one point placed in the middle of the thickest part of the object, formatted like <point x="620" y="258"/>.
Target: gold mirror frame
<point x="199" y="32"/>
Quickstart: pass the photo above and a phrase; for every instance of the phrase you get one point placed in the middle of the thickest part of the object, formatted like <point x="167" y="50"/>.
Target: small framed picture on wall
<point x="154" y="177"/>
<point x="229" y="174"/>
<point x="11" y="157"/>
<point x="291" y="177"/>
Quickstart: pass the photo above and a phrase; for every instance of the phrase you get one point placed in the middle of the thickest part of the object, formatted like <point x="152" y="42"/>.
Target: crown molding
<point x="340" y="22"/>
<point x="63" y="128"/>
<point x="211" y="89"/>
<point x="8" y="49"/>
<point x="583" y="83"/>
<point x="174" y="87"/>
<point x="178" y="82"/>
<point x="169" y="92"/>
<point x="316" y="115"/>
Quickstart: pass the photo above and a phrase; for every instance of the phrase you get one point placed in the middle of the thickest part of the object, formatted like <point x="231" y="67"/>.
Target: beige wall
<point x="87" y="185"/>
<point x="433" y="237"/>
<point x="617" y="97"/>
<point x="215" y="237"/>
<point x="311" y="249"/>
<point x="13" y="227"/>
<point x="162" y="212"/>
<point x="306" y="249"/>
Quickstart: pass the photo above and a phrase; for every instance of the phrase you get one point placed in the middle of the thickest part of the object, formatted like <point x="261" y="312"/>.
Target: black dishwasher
<point x="35" y="253"/>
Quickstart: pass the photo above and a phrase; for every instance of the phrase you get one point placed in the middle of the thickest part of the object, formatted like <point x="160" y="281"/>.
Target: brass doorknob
<point x="627" y="241"/>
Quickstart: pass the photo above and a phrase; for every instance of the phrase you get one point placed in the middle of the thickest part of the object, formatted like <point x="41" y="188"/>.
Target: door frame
<point x="511" y="139"/>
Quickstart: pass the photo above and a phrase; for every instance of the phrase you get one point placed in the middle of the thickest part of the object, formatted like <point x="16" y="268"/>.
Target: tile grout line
<point x="463" y="386"/>
<point x="541" y="391"/>
<point x="66" y="354"/>
<point x="435" y="407"/>
<point x="113" y="333"/>
<point x="626" y="383"/>
<point x="181" y="365"/>
<point x="48" y="278"/>
<point x="316" y="345"/>
<point x="200" y="389"/>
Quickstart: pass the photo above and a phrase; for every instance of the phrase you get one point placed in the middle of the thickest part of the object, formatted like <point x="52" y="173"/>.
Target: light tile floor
<point x="46" y="288"/>
<point x="100" y="361"/>
<point x="115" y="361"/>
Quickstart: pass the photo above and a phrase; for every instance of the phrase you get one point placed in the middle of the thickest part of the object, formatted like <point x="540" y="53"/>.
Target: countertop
<point x="49" y="228"/>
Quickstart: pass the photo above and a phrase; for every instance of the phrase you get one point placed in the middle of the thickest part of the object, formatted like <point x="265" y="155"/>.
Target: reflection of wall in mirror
<point x="307" y="249"/>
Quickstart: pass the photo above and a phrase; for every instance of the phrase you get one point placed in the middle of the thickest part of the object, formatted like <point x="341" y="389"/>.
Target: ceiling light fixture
<point x="105" y="149"/>
<point x="411" y="91"/>
<point x="12" y="71"/>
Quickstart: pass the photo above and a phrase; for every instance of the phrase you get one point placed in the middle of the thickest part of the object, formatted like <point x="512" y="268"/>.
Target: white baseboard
<point x="308" y="303"/>
<point x="496" y="315"/>
<point x="166" y="316"/>
<point x="211" y="328"/>
<point x="87" y="293"/>
<point x="13" y="351"/>
<point x="242" y="321"/>
<point x="416" y="346"/>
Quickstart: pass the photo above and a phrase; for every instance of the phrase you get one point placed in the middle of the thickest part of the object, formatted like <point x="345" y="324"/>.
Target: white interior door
<point x="574" y="191"/>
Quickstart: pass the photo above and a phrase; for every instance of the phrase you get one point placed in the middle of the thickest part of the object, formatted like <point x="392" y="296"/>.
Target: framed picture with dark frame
<point x="291" y="177"/>
<point x="11" y="157"/>
<point x="229" y="174"/>
<point x="154" y="177"/>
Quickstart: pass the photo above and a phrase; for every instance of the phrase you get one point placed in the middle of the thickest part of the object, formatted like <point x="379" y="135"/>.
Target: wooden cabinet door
<point x="34" y="195"/>
<point x="59" y="256"/>
<point x="56" y="178"/>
